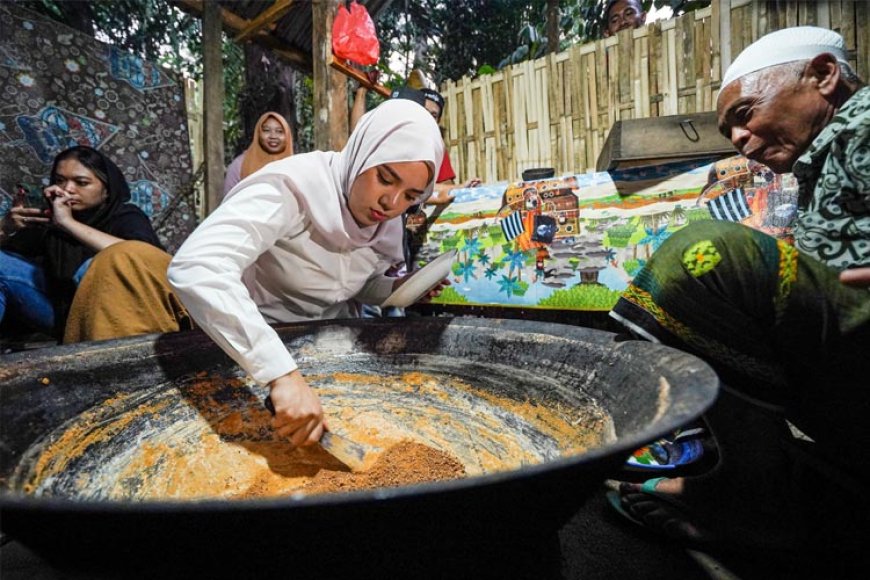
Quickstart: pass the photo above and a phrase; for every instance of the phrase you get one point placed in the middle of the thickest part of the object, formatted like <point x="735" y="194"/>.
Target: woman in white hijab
<point x="297" y="240"/>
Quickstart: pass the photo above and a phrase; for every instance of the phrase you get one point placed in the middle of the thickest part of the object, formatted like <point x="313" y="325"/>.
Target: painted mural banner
<point x="62" y="88"/>
<point x="575" y="242"/>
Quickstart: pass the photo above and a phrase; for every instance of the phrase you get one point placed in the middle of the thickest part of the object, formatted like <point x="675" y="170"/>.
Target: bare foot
<point x="655" y="504"/>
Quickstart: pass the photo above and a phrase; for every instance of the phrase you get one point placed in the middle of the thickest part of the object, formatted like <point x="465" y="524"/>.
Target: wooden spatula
<point x="352" y="454"/>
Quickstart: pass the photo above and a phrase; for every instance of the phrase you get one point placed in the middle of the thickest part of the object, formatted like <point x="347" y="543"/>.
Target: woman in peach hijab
<point x="272" y="142"/>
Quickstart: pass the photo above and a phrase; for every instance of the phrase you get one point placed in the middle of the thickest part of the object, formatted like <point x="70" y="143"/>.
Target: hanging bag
<point x="354" y="37"/>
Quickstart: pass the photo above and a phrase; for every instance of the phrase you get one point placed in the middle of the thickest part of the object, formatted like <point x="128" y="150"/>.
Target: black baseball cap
<point x="435" y="97"/>
<point x="409" y="94"/>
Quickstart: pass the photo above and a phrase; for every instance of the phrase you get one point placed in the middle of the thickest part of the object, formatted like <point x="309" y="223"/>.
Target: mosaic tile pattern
<point x="59" y="88"/>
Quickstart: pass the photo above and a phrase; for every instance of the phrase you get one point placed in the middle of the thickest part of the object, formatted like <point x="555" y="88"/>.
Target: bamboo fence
<point x="556" y="111"/>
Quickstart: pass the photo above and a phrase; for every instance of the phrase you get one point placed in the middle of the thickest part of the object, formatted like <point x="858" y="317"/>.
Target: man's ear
<point x="826" y="70"/>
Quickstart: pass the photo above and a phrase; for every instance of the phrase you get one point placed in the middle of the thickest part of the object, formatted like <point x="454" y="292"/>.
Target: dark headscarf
<point x="61" y="253"/>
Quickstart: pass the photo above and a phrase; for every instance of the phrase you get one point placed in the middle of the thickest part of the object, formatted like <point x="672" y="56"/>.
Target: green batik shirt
<point x="833" y="223"/>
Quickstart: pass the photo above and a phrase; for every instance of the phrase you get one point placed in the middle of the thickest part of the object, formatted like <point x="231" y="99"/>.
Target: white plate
<point x="421" y="281"/>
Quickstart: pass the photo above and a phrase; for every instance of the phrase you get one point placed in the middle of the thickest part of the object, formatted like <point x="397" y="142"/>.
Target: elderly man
<point x="787" y="328"/>
<point x="622" y="14"/>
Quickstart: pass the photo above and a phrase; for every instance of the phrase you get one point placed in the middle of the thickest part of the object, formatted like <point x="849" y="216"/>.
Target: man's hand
<point x="442" y="194"/>
<point x="298" y="414"/>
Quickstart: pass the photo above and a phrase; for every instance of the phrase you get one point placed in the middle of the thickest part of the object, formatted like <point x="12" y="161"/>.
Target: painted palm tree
<point x="508" y="285"/>
<point x="483" y="258"/>
<point x="678" y="215"/>
<point x="654" y="238"/>
<point x="653" y="228"/>
<point x="610" y="256"/>
<point x="516" y="259"/>
<point x="492" y="271"/>
<point x="465" y="269"/>
<point x="471" y="247"/>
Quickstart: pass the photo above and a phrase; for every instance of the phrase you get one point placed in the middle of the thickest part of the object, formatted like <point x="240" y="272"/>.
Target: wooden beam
<point x="269" y="16"/>
<point x="358" y="75"/>
<point x="233" y="24"/>
<point x="330" y="89"/>
<point x="213" y="106"/>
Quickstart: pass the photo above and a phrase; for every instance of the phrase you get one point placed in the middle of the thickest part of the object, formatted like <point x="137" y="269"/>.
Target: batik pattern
<point x="833" y="222"/>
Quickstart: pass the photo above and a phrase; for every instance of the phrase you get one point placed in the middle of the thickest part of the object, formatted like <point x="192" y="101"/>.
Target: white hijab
<point x="398" y="130"/>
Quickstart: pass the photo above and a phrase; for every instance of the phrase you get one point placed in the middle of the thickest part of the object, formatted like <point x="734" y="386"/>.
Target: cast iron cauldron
<point x="499" y="524"/>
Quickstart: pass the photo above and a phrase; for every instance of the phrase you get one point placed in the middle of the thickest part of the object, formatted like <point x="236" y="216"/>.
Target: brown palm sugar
<point x="405" y="463"/>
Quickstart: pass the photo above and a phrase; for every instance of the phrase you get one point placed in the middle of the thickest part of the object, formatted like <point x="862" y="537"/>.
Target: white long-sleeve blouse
<point x="257" y="261"/>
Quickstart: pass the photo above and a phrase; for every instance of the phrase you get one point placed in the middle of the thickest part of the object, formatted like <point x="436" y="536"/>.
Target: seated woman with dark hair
<point x="46" y="252"/>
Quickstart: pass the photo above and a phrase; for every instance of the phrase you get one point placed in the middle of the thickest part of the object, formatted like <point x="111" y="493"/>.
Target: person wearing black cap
<point x="446" y="180"/>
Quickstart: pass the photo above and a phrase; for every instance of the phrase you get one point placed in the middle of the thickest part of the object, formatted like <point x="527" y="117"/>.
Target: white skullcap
<point x="786" y="45"/>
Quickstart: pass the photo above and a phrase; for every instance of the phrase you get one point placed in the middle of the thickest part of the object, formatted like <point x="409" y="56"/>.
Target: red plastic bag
<point x="353" y="35"/>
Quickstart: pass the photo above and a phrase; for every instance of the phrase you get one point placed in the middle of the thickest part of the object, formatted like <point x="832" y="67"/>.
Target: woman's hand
<point x="20" y="217"/>
<point x="434" y="292"/>
<point x="298" y="414"/>
<point x="61" y="211"/>
<point x="859" y="277"/>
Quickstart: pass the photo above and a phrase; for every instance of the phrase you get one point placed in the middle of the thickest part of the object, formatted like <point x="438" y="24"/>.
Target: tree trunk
<point x="269" y="86"/>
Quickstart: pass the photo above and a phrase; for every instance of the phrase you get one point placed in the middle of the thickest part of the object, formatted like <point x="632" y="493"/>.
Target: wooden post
<point x="213" y="105"/>
<point x="330" y="87"/>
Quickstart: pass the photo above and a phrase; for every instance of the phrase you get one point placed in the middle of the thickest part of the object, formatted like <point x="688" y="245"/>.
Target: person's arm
<point x="443" y="191"/>
<point x="233" y="175"/>
<point x="359" y="106"/>
<point x="131" y="223"/>
<point x="206" y="273"/>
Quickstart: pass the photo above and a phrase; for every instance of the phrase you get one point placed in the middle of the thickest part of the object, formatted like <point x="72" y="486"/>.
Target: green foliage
<point x="304" y="96"/>
<point x="449" y="40"/>
<point x="591" y="19"/>
<point x="632" y="267"/>
<point x="234" y="84"/>
<point x="697" y="215"/>
<point x="449" y="295"/>
<point x="618" y="236"/>
<point x="582" y="296"/>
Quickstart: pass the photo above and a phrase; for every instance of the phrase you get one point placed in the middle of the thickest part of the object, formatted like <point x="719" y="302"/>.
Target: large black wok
<point x="493" y="524"/>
